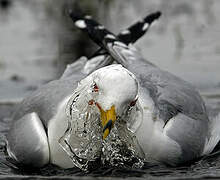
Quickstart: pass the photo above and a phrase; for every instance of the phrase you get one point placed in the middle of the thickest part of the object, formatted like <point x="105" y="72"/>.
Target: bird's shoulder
<point x="45" y="100"/>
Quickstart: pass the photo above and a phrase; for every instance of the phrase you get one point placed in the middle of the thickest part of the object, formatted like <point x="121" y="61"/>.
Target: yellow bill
<point x="108" y="119"/>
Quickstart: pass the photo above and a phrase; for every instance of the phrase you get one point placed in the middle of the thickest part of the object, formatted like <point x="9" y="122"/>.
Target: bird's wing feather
<point x="170" y="93"/>
<point x="97" y="32"/>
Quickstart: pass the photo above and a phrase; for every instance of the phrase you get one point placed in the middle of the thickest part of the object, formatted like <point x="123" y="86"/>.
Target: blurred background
<point x="38" y="39"/>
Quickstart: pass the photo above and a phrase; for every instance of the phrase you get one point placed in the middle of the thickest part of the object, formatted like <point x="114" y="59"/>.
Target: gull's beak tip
<point x="107" y="128"/>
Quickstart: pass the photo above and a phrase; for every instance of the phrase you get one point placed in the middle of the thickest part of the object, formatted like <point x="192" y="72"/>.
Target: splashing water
<point x="83" y="141"/>
<point x="121" y="148"/>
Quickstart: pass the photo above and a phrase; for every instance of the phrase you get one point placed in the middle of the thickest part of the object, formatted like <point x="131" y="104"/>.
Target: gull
<point x="40" y="120"/>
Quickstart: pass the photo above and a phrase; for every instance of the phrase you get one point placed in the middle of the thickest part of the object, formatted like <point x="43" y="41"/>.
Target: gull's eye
<point x="91" y="102"/>
<point x="95" y="88"/>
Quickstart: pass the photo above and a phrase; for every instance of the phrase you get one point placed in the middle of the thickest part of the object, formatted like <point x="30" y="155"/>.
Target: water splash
<point x="83" y="141"/>
<point x="121" y="148"/>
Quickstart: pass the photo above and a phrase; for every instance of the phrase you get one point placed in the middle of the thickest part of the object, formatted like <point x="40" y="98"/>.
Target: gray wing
<point x="46" y="99"/>
<point x="27" y="142"/>
<point x="170" y="94"/>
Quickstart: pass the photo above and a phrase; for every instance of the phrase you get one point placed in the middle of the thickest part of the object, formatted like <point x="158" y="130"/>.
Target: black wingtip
<point x="152" y="17"/>
<point x="137" y="30"/>
<point x="95" y="30"/>
<point x="102" y="36"/>
<point x="158" y="13"/>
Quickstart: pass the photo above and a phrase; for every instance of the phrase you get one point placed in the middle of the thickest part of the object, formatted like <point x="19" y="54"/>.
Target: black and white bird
<point x="40" y="120"/>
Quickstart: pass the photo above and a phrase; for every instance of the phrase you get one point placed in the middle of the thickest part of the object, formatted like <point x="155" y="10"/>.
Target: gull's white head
<point x="114" y="89"/>
<point x="116" y="86"/>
